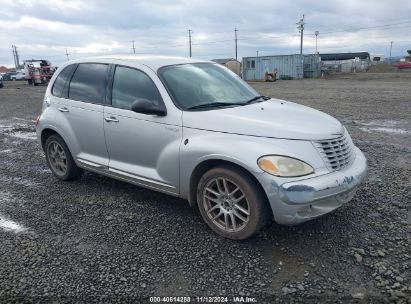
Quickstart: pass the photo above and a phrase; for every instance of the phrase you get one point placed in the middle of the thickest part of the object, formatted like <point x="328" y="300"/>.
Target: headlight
<point x="284" y="166"/>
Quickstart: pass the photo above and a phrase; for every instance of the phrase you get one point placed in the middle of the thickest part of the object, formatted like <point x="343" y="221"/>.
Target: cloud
<point x="44" y="29"/>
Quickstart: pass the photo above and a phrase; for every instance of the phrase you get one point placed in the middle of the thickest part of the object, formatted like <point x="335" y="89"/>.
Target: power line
<point x="285" y="36"/>
<point x="260" y="37"/>
<point x="212" y="42"/>
<point x="351" y="23"/>
<point x="365" y="28"/>
<point x="247" y="38"/>
<point x="339" y="25"/>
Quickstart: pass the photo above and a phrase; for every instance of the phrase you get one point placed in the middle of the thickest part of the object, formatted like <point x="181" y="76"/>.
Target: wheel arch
<point x="209" y="164"/>
<point x="47" y="132"/>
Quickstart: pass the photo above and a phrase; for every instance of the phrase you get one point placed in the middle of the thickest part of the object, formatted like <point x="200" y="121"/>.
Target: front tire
<point x="59" y="159"/>
<point x="232" y="203"/>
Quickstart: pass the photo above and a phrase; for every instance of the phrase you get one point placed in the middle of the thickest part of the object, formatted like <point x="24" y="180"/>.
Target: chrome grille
<point x="337" y="153"/>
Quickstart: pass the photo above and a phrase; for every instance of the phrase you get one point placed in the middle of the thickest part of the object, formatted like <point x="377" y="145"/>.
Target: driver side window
<point x="130" y="84"/>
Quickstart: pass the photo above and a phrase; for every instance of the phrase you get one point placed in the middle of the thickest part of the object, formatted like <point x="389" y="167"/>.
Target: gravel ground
<point x="101" y="240"/>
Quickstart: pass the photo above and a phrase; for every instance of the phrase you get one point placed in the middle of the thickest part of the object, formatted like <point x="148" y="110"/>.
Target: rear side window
<point x="61" y="80"/>
<point x="129" y="85"/>
<point x="89" y="82"/>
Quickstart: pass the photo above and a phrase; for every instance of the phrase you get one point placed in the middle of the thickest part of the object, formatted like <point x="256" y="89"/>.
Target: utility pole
<point x="257" y="53"/>
<point x="390" y="49"/>
<point x="301" y="29"/>
<point x="67" y="55"/>
<point x="133" y="48"/>
<point x="189" y="40"/>
<point x="16" y="56"/>
<point x="316" y="37"/>
<point x="235" y="39"/>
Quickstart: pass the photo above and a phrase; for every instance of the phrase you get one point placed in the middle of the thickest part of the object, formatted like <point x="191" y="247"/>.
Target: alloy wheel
<point x="226" y="204"/>
<point x="57" y="158"/>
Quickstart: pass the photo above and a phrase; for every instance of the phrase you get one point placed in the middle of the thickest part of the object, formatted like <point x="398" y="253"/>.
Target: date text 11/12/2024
<point x="205" y="299"/>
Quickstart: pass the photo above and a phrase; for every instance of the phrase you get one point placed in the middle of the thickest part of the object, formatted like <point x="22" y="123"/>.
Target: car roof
<point x="152" y="61"/>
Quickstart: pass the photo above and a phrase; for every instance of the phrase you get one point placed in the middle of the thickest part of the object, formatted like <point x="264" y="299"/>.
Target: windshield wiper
<point x="225" y="104"/>
<point x="256" y="98"/>
<point x="213" y="105"/>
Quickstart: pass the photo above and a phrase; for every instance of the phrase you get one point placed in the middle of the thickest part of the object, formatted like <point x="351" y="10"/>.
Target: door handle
<point x="63" y="109"/>
<point x="111" y="119"/>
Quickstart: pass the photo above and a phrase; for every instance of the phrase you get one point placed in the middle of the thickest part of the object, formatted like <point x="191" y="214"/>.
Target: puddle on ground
<point x="176" y="287"/>
<point x="5" y="128"/>
<point x="30" y="121"/>
<point x="11" y="226"/>
<point x="6" y="224"/>
<point x="384" y="126"/>
<point x="18" y="181"/>
<point x="18" y="130"/>
<point x="286" y="266"/>
<point x="385" y="123"/>
<point x="24" y="135"/>
<point x="384" y="130"/>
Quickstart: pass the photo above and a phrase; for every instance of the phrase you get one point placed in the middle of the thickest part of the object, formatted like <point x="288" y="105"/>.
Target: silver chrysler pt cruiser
<point x="193" y="129"/>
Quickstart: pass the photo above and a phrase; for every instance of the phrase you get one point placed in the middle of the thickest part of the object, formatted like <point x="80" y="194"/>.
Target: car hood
<point x="272" y="118"/>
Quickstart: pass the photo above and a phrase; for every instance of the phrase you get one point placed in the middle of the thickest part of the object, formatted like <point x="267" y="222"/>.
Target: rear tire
<point x="59" y="159"/>
<point x="232" y="203"/>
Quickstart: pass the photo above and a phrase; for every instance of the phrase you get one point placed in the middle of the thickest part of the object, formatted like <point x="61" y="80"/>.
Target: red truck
<point x="38" y="71"/>
<point x="406" y="64"/>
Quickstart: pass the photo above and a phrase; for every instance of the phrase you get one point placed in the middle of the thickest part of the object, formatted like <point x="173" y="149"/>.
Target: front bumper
<point x="299" y="201"/>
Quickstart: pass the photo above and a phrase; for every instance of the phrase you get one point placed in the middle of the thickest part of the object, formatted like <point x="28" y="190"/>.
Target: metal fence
<point x="345" y="66"/>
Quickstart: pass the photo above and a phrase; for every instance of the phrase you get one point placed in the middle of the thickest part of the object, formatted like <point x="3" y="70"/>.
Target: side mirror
<point x="145" y="106"/>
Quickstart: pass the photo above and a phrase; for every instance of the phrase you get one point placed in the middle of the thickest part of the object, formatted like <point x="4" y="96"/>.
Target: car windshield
<point x="205" y="85"/>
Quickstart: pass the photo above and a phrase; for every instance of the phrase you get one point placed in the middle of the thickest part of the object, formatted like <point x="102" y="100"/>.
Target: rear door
<point x="82" y="112"/>
<point x="143" y="149"/>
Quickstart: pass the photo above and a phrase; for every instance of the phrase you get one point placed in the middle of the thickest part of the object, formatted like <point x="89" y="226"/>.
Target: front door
<point x="143" y="149"/>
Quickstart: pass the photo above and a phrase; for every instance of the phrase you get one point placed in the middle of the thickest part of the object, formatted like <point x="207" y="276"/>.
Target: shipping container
<point x="284" y="66"/>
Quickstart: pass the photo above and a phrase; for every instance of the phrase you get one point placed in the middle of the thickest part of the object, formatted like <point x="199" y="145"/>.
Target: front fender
<point x="244" y="151"/>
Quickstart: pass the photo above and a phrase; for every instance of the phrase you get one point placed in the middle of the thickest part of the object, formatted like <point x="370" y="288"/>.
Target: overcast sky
<point x="43" y="29"/>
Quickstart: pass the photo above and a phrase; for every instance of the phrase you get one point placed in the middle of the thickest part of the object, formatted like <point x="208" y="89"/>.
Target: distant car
<point x="6" y="76"/>
<point x="17" y="76"/>
<point x="1" y="81"/>
<point x="195" y="130"/>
